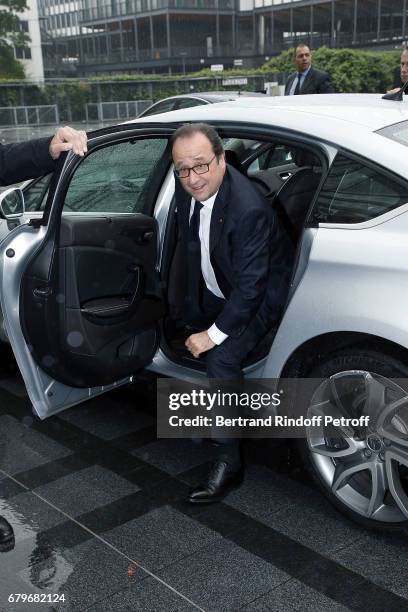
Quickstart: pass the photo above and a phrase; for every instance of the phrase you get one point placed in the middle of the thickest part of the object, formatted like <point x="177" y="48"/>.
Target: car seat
<point x="293" y="199"/>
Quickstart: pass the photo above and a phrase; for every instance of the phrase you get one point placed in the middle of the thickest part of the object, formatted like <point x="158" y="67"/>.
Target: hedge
<point x="351" y="70"/>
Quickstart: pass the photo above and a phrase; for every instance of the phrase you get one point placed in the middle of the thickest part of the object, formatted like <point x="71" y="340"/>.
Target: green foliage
<point x="11" y="34"/>
<point x="280" y="63"/>
<point x="10" y="68"/>
<point x="351" y="70"/>
<point x="9" y="21"/>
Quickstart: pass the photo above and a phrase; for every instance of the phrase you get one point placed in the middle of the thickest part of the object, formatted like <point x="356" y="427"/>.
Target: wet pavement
<point x="97" y="506"/>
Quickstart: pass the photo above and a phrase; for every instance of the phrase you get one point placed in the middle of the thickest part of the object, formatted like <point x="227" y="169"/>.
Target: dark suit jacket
<point x="246" y="254"/>
<point x="25" y="160"/>
<point x="315" y="81"/>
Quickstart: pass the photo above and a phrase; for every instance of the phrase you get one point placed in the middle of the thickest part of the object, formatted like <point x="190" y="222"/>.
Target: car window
<point x="354" y="192"/>
<point x="397" y="132"/>
<point x="161" y="107"/>
<point x="189" y="102"/>
<point x="35" y="194"/>
<point x="117" y="178"/>
<point x="280" y="155"/>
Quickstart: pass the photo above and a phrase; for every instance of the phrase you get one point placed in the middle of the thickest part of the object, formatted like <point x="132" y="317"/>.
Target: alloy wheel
<point x="365" y="468"/>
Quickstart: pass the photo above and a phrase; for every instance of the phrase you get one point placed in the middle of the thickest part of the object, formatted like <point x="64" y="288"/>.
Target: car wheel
<point x="362" y="470"/>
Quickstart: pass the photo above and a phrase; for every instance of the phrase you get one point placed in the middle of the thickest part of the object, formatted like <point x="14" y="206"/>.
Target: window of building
<point x="23" y="53"/>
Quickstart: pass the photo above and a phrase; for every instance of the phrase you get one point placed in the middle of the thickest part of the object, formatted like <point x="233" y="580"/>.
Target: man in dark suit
<point x="19" y="162"/>
<point x="236" y="268"/>
<point x="401" y="73"/>
<point x="404" y="65"/>
<point x="306" y="80"/>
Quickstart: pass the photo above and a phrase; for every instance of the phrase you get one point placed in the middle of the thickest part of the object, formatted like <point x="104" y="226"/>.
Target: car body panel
<point x="351" y="286"/>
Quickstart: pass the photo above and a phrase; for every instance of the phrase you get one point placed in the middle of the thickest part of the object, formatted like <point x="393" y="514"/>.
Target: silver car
<point x="189" y="100"/>
<point x="89" y="286"/>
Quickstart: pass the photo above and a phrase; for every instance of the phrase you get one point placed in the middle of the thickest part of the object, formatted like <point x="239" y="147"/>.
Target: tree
<point x="351" y="70"/>
<point x="11" y="35"/>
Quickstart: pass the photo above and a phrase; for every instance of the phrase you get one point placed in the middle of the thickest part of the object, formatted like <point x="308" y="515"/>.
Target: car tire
<point x="365" y="476"/>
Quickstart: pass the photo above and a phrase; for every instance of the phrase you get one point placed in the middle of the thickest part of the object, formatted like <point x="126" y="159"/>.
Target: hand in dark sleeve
<point x="25" y="160"/>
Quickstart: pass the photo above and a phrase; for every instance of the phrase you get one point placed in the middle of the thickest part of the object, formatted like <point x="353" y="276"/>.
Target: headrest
<point x="232" y="159"/>
<point x="303" y="157"/>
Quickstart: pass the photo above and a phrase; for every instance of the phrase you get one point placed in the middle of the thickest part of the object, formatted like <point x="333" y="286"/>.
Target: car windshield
<point x="397" y="132"/>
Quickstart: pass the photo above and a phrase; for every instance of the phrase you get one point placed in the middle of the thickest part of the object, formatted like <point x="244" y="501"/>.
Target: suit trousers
<point x="224" y="362"/>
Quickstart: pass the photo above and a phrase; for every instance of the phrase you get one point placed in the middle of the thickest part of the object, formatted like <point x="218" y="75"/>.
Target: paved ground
<point x="97" y="507"/>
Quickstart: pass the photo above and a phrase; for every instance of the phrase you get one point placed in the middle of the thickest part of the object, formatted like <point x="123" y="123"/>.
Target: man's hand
<point x="391" y="91"/>
<point x="67" y="139"/>
<point x="199" y="343"/>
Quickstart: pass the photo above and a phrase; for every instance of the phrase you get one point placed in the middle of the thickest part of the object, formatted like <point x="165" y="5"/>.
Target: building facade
<point x="31" y="56"/>
<point x="110" y="36"/>
<point x="60" y="33"/>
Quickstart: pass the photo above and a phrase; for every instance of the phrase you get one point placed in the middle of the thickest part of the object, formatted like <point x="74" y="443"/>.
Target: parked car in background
<point x="89" y="287"/>
<point x="195" y="99"/>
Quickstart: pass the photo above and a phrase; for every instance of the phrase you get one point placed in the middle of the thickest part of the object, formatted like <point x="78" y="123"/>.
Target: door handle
<point x="42" y="293"/>
<point x="147" y="236"/>
<point x="135" y="268"/>
<point x="285" y="175"/>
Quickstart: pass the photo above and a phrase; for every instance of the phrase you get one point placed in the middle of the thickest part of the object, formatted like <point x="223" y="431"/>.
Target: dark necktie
<point x="297" y="88"/>
<point x="194" y="277"/>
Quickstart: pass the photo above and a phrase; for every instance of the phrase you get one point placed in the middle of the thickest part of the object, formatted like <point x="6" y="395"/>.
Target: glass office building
<point x="111" y="36"/>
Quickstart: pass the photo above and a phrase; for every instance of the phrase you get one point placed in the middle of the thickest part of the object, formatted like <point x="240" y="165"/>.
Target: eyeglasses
<point x="199" y="169"/>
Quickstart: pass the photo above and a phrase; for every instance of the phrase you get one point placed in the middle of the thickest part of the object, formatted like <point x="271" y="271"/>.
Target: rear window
<point x="397" y="132"/>
<point x="354" y="192"/>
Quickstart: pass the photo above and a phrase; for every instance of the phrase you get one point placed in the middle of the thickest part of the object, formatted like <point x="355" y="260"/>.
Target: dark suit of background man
<point x="306" y="80"/>
<point x="19" y="162"/>
<point x="236" y="270"/>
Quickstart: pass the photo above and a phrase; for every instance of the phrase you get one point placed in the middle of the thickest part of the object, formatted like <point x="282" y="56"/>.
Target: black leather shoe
<point x="6" y="535"/>
<point x="221" y="480"/>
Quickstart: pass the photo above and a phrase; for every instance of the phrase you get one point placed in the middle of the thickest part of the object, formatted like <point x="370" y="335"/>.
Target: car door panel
<point x="99" y="295"/>
<point x="82" y="295"/>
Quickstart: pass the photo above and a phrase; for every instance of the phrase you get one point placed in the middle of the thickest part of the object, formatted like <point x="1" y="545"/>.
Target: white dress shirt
<point x="215" y="334"/>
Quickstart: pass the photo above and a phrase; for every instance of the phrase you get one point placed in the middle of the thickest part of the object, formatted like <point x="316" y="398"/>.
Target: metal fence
<point x="28" y="115"/>
<point x="107" y="111"/>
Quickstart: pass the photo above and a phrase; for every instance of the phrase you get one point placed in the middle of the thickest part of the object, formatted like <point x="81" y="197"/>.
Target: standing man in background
<point x="306" y="80"/>
<point x="19" y="162"/>
<point x="401" y="75"/>
<point x="404" y="65"/>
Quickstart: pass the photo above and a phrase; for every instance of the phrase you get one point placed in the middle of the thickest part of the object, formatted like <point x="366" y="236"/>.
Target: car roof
<point x="214" y="96"/>
<point x="368" y="110"/>
<point x="346" y="120"/>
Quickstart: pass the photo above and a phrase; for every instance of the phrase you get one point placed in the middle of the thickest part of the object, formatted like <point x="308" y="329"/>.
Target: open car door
<point x="80" y="291"/>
